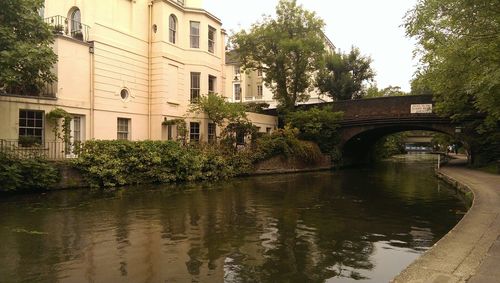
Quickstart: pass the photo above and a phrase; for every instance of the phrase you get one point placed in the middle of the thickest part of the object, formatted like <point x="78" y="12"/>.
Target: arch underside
<point x="357" y="142"/>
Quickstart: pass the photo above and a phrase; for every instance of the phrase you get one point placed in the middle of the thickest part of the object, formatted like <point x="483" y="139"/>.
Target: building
<point x="248" y="86"/>
<point x="125" y="67"/>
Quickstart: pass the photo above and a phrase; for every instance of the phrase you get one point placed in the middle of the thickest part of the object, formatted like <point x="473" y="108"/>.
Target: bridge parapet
<point x="381" y="107"/>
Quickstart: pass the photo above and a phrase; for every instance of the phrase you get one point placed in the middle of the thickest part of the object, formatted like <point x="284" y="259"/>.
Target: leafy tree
<point x="229" y="116"/>
<point x="218" y="109"/>
<point x="26" y="57"/>
<point x="317" y="125"/>
<point x="374" y="91"/>
<point x="288" y="49"/>
<point x="344" y="75"/>
<point x="459" y="50"/>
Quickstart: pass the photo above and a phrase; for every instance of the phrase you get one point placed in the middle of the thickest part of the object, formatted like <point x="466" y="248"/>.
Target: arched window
<point x="172" y="28"/>
<point x="75" y="23"/>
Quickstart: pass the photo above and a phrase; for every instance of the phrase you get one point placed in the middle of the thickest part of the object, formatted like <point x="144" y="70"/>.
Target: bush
<point x="18" y="174"/>
<point x="317" y="125"/>
<point x="284" y="142"/>
<point x="116" y="163"/>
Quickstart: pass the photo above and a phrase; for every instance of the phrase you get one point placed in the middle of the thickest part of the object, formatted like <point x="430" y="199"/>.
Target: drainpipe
<point x="92" y="87"/>
<point x="150" y="48"/>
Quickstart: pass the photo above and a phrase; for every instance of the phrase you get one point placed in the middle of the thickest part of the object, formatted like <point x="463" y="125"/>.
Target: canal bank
<point x="470" y="252"/>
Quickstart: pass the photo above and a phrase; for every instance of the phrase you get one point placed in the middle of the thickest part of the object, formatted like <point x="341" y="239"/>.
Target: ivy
<point x="53" y="117"/>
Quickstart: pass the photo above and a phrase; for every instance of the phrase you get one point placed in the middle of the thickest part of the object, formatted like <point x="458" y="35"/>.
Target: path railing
<point x="51" y="150"/>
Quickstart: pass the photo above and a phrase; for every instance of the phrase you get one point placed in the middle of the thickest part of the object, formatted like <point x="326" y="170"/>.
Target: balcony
<point x="64" y="26"/>
<point x="48" y="91"/>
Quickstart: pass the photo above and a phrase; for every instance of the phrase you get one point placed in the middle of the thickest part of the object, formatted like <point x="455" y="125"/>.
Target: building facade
<point x="247" y="86"/>
<point x="124" y="68"/>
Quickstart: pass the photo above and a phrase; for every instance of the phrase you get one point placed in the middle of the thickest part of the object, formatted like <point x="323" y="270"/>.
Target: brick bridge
<point x="367" y="120"/>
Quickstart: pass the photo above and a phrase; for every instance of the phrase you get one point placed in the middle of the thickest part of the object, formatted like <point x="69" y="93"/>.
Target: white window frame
<point x="172" y="29"/>
<point x="125" y="132"/>
<point x="211" y="41"/>
<point x="195" y="78"/>
<point x="194" y="38"/>
<point x="237" y="96"/>
<point x="33" y="124"/>
<point x="193" y="135"/>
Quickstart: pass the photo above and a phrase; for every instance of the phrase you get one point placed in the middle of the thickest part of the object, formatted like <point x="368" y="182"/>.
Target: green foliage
<point x="182" y="130"/>
<point x="230" y="132"/>
<point x="256" y="107"/>
<point x="285" y="142"/>
<point x="26" y="57"/>
<point x="116" y="163"/>
<point x="459" y="51"/>
<point x="288" y="49"/>
<point x="390" y="145"/>
<point x="374" y="91"/>
<point x="344" y="75"/>
<point x="317" y="125"/>
<point x="218" y="109"/>
<point x="18" y="174"/>
<point x="53" y="117"/>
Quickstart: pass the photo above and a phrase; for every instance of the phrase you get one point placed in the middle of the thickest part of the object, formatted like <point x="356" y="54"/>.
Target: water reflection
<point x="336" y="227"/>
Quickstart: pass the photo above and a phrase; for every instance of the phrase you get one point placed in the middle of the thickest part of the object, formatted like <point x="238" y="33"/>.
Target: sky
<point x="375" y="26"/>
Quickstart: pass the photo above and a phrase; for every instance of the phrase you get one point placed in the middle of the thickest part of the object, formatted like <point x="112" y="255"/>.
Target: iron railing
<point x="49" y="90"/>
<point x="67" y="27"/>
<point x="33" y="149"/>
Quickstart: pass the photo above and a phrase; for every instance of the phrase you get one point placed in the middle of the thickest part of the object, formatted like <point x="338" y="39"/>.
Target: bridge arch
<point x="357" y="143"/>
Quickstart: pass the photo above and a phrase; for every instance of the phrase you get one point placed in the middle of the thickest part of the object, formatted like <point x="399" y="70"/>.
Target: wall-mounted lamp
<point x="155" y="28"/>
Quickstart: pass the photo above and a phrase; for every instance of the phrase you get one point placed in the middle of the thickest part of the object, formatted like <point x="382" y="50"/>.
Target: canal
<point x="361" y="224"/>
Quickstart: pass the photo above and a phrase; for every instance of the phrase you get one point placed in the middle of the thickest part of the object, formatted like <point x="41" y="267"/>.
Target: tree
<point x="26" y="57"/>
<point x="374" y="91"/>
<point x="218" y="109"/>
<point x="459" y="50"/>
<point x="343" y="76"/>
<point x="317" y="125"/>
<point x="288" y="49"/>
<point x="229" y="116"/>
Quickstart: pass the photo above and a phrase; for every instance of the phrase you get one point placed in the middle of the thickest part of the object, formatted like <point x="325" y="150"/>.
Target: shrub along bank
<point x="26" y="174"/>
<point x="117" y="163"/>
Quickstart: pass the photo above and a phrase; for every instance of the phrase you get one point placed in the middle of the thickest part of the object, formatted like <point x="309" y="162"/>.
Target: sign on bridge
<point x="420" y="108"/>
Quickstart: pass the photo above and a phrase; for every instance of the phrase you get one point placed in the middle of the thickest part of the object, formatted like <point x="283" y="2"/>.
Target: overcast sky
<point x="373" y="26"/>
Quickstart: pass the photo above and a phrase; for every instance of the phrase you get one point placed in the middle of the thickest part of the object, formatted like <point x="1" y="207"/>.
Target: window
<point x="268" y="130"/>
<point x="76" y="24"/>
<point x="31" y="127"/>
<point x="194" y="132"/>
<point x="211" y="39"/>
<point x="212" y="132"/>
<point x="172" y="28"/>
<point x="123" y="129"/>
<point x="195" y="34"/>
<point x="259" y="91"/>
<point x="240" y="137"/>
<point x="212" y="84"/>
<point x="41" y="11"/>
<point x="124" y="94"/>
<point x="237" y="92"/>
<point x="195" y="87"/>
<point x="169" y="133"/>
<point x="259" y="73"/>
<point x="77" y="128"/>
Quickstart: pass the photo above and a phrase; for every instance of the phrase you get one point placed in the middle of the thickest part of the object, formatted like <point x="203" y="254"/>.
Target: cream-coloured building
<point x="124" y="67"/>
<point x="248" y="86"/>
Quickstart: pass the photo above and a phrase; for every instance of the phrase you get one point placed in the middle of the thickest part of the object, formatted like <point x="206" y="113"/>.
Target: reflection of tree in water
<point x="291" y="228"/>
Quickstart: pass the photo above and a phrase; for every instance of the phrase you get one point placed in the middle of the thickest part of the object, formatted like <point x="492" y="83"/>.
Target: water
<point x="364" y="224"/>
